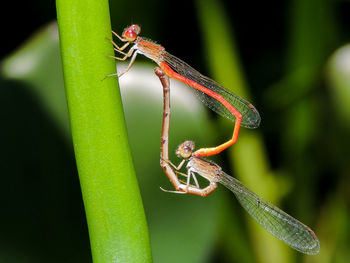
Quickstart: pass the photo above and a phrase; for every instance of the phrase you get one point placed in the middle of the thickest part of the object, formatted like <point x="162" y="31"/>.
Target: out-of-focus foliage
<point x="293" y="60"/>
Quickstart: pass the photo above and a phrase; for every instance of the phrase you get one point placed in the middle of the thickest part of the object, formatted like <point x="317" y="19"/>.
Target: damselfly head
<point x="185" y="149"/>
<point x="131" y="32"/>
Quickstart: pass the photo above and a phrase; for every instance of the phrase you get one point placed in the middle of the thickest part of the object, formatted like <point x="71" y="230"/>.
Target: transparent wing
<point x="250" y="116"/>
<point x="274" y="220"/>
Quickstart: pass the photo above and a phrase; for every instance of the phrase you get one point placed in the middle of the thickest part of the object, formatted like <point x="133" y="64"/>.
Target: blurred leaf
<point x="37" y="62"/>
<point x="339" y="77"/>
<point x="257" y="177"/>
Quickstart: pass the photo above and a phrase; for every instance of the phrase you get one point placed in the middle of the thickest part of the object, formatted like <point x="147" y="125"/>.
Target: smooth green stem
<point x="116" y="220"/>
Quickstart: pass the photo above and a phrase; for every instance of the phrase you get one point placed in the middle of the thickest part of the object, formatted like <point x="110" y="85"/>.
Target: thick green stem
<point x="116" y="220"/>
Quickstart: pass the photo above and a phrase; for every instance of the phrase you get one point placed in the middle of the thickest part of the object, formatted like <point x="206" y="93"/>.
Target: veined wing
<point x="250" y="116"/>
<point x="274" y="220"/>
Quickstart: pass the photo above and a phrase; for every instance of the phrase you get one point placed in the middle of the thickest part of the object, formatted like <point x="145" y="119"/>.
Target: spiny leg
<point x="117" y="58"/>
<point x="121" y="52"/>
<point x="190" y="174"/>
<point x="117" y="48"/>
<point x="172" y="191"/>
<point x="120" y="38"/>
<point x="126" y="55"/>
<point x="132" y="60"/>
<point x="178" y="167"/>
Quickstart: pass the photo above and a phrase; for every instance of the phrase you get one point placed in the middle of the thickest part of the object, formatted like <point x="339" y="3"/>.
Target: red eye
<point x="132" y="32"/>
<point x="136" y="29"/>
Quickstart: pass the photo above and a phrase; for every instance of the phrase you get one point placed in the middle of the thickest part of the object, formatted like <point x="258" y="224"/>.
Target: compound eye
<point x="136" y="29"/>
<point x="131" y="33"/>
<point x="185" y="149"/>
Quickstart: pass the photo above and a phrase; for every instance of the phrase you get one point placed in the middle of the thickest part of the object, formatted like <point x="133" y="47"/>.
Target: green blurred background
<point x="290" y="58"/>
